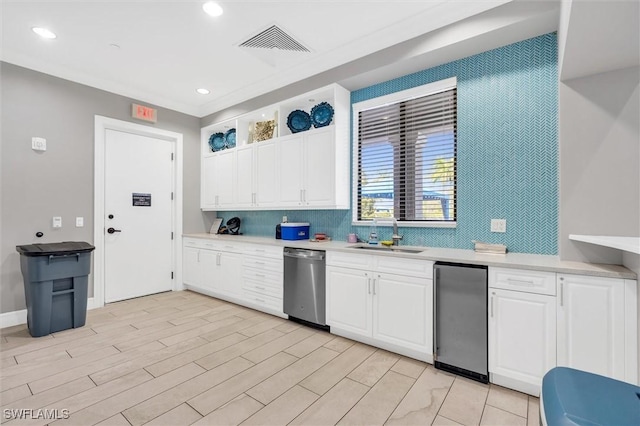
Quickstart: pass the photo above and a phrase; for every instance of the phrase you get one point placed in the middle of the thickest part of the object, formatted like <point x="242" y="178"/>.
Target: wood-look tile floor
<point x="182" y="358"/>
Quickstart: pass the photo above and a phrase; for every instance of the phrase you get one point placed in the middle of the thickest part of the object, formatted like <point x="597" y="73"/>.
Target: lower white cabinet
<point x="522" y="338"/>
<point x="388" y="310"/>
<point x="246" y="274"/>
<point x="538" y="320"/>
<point x="597" y="329"/>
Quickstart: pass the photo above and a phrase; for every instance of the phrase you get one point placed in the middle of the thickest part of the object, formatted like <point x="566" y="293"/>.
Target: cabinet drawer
<point x="209" y="244"/>
<point x="538" y="282"/>
<point x="263" y="264"/>
<point x="262" y="289"/>
<point x="349" y="260"/>
<point x="259" y="250"/>
<point x="262" y="300"/>
<point x="272" y="279"/>
<point x="402" y="266"/>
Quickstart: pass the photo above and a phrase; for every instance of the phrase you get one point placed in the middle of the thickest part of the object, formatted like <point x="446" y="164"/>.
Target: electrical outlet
<point x="56" y="222"/>
<point x="79" y="222"/>
<point x="498" y="225"/>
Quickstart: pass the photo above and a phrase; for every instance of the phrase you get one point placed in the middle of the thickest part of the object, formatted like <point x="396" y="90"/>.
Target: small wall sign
<point x="141" y="200"/>
<point x="145" y="113"/>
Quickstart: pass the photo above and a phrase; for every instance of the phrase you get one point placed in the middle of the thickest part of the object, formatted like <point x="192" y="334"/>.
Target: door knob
<point x="112" y="230"/>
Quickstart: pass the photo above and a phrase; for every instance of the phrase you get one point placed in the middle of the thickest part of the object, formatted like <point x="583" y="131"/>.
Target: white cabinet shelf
<point x="304" y="170"/>
<point x="630" y="244"/>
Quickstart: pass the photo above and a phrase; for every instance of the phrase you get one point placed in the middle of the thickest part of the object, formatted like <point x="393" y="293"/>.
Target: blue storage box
<point x="573" y="397"/>
<point x="295" y="231"/>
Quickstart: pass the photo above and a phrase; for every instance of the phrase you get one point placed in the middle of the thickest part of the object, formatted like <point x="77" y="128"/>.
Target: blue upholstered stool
<point x="575" y="397"/>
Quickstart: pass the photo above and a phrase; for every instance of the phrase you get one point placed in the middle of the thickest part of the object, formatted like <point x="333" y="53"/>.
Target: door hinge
<point x="171" y="274"/>
<point x="172" y="195"/>
<point x="172" y="156"/>
<point x="172" y="235"/>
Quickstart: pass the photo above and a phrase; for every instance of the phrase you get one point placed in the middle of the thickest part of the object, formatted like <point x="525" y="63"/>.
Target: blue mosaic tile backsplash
<point x="507" y="154"/>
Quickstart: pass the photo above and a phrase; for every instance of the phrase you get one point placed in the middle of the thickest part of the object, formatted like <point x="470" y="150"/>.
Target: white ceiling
<point x="170" y="48"/>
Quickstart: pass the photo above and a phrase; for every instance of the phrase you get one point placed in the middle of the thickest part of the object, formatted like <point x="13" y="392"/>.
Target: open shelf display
<point x="271" y="122"/>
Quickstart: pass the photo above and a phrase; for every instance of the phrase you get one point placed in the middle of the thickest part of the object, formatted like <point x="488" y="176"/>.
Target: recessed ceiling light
<point x="43" y="32"/>
<point x="203" y="91"/>
<point x="212" y="8"/>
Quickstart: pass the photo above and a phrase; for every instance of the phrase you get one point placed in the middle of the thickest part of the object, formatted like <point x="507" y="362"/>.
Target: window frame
<point x="392" y="98"/>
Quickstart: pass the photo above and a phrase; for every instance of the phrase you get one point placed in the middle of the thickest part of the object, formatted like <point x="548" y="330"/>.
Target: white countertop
<point x="536" y="262"/>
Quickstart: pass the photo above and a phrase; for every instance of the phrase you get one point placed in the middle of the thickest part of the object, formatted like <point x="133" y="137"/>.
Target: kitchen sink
<point x="395" y="249"/>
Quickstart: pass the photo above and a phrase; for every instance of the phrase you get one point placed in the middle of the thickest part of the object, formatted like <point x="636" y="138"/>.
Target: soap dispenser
<point x="373" y="235"/>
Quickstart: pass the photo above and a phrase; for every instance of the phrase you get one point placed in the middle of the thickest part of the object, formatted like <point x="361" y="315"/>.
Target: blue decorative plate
<point x="298" y="121"/>
<point x="216" y="142"/>
<point x="321" y="114"/>
<point x="230" y="138"/>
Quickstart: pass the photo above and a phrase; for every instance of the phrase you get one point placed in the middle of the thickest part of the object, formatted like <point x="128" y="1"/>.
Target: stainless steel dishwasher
<point x="304" y="286"/>
<point x="460" y="320"/>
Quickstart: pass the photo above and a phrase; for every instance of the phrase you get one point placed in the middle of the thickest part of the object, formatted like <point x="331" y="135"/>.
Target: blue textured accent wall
<point x="507" y="153"/>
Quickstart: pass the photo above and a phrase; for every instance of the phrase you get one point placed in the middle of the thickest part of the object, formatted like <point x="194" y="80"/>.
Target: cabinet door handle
<point x="218" y="256"/>
<point x="492" y="294"/>
<point x="561" y="293"/>
<point x="368" y="283"/>
<point x="374" y="285"/>
<point x="304" y="195"/>
<point x="514" y="281"/>
<point x="259" y="288"/>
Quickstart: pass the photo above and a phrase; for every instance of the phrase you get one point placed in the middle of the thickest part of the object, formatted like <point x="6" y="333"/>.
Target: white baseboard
<point x="9" y="319"/>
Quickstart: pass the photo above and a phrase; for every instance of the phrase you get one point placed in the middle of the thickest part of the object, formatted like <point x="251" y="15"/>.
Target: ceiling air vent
<point x="274" y="38"/>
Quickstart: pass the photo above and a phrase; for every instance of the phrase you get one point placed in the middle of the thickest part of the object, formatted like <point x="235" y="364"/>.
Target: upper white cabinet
<point x="275" y="168"/>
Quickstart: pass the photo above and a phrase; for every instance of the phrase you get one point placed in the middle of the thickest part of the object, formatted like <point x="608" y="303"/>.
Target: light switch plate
<point x="498" y="225"/>
<point x="38" y="144"/>
<point x="57" y="222"/>
<point x="79" y="222"/>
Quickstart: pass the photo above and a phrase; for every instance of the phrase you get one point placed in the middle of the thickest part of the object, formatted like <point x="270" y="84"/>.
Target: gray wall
<point x="599" y="162"/>
<point x="35" y="186"/>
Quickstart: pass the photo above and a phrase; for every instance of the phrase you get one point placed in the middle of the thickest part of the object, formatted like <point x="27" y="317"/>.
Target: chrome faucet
<point x="395" y="237"/>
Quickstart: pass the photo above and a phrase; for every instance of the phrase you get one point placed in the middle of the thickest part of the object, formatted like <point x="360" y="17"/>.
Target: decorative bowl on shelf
<point x="216" y="142"/>
<point x="321" y="114"/>
<point x="230" y="138"/>
<point x="298" y="121"/>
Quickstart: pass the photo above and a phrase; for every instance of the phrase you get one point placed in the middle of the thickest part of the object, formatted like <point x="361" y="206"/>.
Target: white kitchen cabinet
<point x="305" y="170"/>
<point x="597" y="329"/>
<point x="218" y="185"/>
<point x="245" y="177"/>
<point x="192" y="272"/>
<point x="262" y="278"/>
<point x="402" y="311"/>
<point x="308" y="171"/>
<point x="214" y="267"/>
<point x="349" y="305"/>
<point x="522" y="327"/>
<point x="266" y="180"/>
<point x="390" y="310"/>
<point x="522" y="338"/>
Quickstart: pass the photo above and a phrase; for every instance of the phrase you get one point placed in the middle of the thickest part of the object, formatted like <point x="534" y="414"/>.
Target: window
<point x="405" y="155"/>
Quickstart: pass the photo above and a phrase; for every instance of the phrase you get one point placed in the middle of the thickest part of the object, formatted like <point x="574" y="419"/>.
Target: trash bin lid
<point x="46" y="249"/>
<point x="574" y="397"/>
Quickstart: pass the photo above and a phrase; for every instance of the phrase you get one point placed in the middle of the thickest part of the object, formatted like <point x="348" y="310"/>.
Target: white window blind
<point x="407" y="159"/>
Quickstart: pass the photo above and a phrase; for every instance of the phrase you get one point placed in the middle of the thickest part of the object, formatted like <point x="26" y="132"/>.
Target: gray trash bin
<point x="55" y="285"/>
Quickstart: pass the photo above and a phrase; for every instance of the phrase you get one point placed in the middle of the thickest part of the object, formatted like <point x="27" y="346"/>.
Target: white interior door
<point x="138" y="215"/>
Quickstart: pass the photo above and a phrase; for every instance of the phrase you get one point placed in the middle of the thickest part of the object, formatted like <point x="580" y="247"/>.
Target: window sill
<point x="388" y="223"/>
